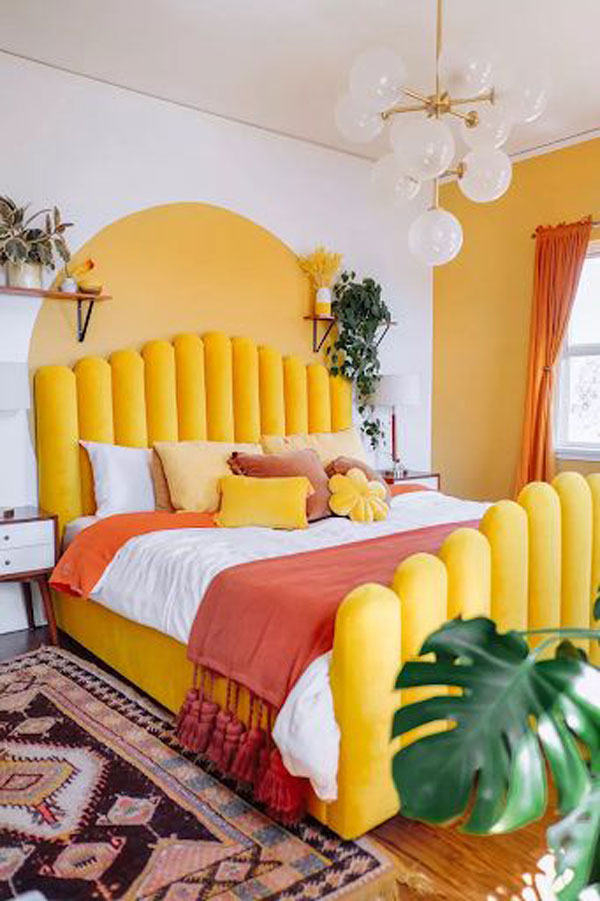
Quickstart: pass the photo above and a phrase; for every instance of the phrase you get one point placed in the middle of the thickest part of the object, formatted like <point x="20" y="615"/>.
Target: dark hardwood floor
<point x="441" y="864"/>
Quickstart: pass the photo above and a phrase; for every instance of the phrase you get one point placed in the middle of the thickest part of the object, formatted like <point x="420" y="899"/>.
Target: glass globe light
<point x="491" y="131"/>
<point x="391" y="184"/>
<point x="467" y="74"/>
<point x="356" y="123"/>
<point x="376" y="78"/>
<point x="525" y="94"/>
<point x="487" y="175"/>
<point x="424" y="148"/>
<point x="435" y="237"/>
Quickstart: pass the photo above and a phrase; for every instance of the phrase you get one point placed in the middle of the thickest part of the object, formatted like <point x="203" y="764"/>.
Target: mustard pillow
<point x="278" y="503"/>
<point x="193" y="470"/>
<point x="328" y="445"/>
<point x="354" y="496"/>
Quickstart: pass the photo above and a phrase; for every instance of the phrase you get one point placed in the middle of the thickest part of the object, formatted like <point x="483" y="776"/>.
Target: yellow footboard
<point x="534" y="563"/>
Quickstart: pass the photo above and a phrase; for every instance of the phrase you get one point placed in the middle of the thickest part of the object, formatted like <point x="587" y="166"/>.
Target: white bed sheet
<point x="159" y="579"/>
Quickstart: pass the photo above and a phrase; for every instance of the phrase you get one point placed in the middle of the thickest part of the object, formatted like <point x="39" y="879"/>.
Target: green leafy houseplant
<point x="23" y="242"/>
<point x="517" y="719"/>
<point x="360" y="313"/>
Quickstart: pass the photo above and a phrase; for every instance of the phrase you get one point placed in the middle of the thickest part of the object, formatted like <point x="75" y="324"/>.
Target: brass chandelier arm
<point x="416" y="96"/>
<point x="488" y="97"/>
<point x="471" y="118"/>
<point x="421" y="107"/>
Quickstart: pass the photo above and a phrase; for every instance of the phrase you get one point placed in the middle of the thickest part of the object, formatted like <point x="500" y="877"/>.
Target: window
<point x="578" y="396"/>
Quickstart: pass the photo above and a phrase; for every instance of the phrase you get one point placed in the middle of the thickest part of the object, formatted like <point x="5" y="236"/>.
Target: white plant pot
<point x="323" y="302"/>
<point x="25" y="275"/>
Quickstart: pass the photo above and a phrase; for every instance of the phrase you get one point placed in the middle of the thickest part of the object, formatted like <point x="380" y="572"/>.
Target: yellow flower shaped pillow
<point x="354" y="496"/>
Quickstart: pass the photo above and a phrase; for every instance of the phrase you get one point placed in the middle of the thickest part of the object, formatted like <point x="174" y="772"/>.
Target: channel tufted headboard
<point x="213" y="388"/>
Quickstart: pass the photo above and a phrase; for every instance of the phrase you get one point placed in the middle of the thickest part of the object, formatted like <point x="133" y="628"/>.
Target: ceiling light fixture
<point x="486" y="105"/>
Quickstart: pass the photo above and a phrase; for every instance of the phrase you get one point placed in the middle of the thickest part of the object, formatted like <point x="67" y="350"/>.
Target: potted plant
<point x="27" y="249"/>
<point x="360" y="312"/>
<point x="517" y="719"/>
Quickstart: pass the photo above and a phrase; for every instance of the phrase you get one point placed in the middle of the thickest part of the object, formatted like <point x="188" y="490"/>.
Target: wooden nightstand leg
<point x="48" y="608"/>
<point x="28" y="603"/>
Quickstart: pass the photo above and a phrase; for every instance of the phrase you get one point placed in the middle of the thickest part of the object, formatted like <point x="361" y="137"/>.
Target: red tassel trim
<point x="283" y="794"/>
<point x="247" y="755"/>
<point x="246" y="760"/>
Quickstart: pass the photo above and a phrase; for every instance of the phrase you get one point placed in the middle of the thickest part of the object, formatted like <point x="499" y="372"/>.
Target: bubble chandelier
<point x="423" y="150"/>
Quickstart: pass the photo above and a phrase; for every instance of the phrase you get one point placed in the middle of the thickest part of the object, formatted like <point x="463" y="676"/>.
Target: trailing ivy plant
<point x="518" y="720"/>
<point x="360" y="313"/>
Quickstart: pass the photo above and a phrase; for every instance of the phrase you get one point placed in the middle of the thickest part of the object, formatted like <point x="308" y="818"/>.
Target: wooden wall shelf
<point x="78" y="297"/>
<point x="331" y="320"/>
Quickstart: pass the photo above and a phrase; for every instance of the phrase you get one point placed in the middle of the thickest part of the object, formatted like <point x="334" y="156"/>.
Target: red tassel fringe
<point x="245" y="754"/>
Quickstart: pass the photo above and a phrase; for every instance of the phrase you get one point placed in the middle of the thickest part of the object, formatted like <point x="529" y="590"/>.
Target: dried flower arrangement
<point x="321" y="266"/>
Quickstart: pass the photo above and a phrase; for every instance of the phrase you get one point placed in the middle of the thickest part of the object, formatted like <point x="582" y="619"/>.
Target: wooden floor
<point x="432" y="863"/>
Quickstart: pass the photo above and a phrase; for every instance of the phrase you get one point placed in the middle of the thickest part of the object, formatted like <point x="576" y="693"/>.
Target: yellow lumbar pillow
<point x="277" y="503"/>
<point x="328" y="445"/>
<point x="193" y="470"/>
<point x="354" y="496"/>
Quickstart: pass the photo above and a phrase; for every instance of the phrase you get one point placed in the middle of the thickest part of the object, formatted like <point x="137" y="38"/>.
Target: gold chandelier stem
<point x="438" y="49"/>
<point x="436" y="194"/>
<point x="471" y="118"/>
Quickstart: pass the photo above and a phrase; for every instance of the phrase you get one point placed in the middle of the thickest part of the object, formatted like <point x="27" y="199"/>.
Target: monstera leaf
<point x="575" y="841"/>
<point x="515" y="714"/>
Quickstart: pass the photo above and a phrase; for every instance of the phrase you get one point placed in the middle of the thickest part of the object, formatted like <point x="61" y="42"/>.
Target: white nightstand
<point x="28" y="550"/>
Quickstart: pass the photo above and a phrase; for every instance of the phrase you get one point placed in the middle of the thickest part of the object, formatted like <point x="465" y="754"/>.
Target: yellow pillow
<point x="354" y="496"/>
<point x="278" y="503"/>
<point x="328" y="445"/>
<point x="193" y="470"/>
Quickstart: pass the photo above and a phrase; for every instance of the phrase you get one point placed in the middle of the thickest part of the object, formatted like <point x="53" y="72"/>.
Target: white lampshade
<point x="403" y="390"/>
<point x="14" y="387"/>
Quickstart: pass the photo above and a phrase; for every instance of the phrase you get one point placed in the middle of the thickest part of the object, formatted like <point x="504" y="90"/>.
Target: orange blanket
<point x="90" y="552"/>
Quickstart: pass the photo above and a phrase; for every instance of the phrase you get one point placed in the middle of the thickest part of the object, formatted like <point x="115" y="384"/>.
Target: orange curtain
<point x="559" y="256"/>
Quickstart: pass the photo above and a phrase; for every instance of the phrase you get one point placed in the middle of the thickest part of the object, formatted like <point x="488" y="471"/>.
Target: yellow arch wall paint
<point x="178" y="268"/>
<point x="482" y="304"/>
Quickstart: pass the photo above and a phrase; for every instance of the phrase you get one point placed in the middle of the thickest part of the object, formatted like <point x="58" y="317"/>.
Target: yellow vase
<point x="323" y="302"/>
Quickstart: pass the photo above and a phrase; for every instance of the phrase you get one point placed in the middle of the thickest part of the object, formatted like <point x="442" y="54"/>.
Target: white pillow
<point x="122" y="478"/>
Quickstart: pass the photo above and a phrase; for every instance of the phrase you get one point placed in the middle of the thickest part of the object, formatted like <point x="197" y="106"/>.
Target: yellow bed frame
<point x="532" y="563"/>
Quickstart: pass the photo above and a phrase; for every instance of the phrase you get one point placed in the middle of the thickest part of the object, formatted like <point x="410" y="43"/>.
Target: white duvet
<point x="158" y="579"/>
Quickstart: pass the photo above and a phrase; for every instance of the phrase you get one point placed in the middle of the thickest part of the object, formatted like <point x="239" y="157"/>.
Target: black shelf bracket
<point x="83" y="321"/>
<point x="386" y="329"/>
<point x="317" y="345"/>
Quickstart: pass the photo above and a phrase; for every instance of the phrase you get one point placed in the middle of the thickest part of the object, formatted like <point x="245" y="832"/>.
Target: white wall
<point x="100" y="153"/>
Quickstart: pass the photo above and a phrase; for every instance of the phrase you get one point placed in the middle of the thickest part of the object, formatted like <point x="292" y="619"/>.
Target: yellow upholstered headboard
<point x="213" y="388"/>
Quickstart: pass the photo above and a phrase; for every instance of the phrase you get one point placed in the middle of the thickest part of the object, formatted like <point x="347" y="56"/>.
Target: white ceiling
<point x="281" y="64"/>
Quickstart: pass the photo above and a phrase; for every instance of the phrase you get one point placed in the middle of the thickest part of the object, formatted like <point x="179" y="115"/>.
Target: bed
<point x="532" y="563"/>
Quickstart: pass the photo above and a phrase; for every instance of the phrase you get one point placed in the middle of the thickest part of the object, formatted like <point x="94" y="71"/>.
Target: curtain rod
<point x="595" y="224"/>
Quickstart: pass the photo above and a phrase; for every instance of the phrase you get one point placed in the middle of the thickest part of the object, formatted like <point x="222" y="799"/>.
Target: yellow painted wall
<point x="482" y="304"/>
<point x="185" y="267"/>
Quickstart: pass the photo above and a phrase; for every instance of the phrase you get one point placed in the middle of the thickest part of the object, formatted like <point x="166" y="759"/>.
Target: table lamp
<point x="401" y="390"/>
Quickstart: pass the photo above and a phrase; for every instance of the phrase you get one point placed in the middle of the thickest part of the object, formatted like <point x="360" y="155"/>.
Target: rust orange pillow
<point x="292" y="463"/>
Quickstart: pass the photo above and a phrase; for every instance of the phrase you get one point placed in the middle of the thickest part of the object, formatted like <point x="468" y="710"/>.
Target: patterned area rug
<point x="96" y="801"/>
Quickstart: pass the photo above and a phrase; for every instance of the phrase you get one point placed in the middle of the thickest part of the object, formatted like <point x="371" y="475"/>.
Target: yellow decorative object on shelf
<point x="354" y="496"/>
<point x="321" y="266"/>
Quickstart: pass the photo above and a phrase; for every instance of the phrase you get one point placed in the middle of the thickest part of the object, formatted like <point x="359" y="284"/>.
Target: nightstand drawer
<point x="26" y="559"/>
<point x="26" y="534"/>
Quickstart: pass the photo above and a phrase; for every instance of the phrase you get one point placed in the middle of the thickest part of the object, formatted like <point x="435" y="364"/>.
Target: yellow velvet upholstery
<point x="272" y="407"/>
<point x="94" y="410"/>
<point x="161" y="391"/>
<point x="276" y="503"/>
<point x="191" y="392"/>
